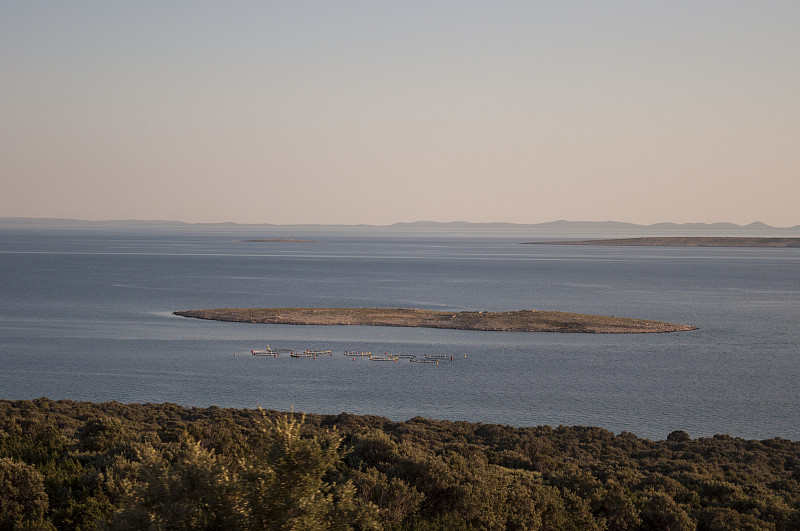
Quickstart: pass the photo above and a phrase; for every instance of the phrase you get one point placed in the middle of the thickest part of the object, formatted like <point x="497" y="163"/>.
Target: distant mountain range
<point x="595" y="225"/>
<point x="560" y="225"/>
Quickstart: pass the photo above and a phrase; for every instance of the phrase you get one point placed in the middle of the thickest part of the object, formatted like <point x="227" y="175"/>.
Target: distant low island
<point x="510" y="321"/>
<point x="280" y="240"/>
<point x="685" y="241"/>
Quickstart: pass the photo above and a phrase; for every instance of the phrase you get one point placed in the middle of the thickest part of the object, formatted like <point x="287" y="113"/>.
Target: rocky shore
<point x="511" y="321"/>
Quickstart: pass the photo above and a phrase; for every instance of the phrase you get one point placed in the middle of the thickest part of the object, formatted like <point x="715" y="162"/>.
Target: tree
<point x="191" y="489"/>
<point x="662" y="513"/>
<point x="288" y="485"/>
<point x="23" y="501"/>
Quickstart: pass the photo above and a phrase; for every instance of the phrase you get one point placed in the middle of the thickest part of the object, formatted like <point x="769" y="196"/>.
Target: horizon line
<point x="716" y="224"/>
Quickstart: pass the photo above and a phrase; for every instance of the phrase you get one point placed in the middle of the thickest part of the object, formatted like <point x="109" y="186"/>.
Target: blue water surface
<point x="86" y="314"/>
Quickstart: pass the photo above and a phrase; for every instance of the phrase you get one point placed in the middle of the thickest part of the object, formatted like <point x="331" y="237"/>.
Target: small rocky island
<point x="511" y="321"/>
<point x="685" y="241"/>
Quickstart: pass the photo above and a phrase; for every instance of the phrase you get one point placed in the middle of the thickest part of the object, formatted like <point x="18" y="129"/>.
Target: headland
<point x="510" y="321"/>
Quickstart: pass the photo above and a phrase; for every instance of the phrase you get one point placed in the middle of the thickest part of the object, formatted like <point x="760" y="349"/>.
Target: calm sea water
<point x="85" y="314"/>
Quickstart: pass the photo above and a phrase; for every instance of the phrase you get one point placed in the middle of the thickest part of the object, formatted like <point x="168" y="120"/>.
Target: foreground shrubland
<point x="78" y="465"/>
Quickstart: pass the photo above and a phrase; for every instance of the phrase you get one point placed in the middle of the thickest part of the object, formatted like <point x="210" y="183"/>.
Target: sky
<point x="350" y="112"/>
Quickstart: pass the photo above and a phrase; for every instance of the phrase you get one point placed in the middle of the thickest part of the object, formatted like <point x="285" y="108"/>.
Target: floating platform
<point x="383" y="358"/>
<point x="308" y="353"/>
<point x="267" y="352"/>
<point x="318" y="352"/>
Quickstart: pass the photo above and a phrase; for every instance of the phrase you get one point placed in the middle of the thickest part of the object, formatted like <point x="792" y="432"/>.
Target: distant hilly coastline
<point x="686" y="241"/>
<point x="151" y="223"/>
<point x="602" y="225"/>
<point x="560" y="225"/>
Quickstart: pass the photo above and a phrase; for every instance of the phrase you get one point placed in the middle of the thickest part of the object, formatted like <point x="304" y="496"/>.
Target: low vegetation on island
<point x="513" y="321"/>
<point x="685" y="241"/>
<point x="81" y="465"/>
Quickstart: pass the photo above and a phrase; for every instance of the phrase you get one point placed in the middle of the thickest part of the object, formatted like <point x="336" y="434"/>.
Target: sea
<point x="86" y="313"/>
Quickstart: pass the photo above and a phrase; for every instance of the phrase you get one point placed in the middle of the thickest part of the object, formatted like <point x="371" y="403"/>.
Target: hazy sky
<point x="378" y="111"/>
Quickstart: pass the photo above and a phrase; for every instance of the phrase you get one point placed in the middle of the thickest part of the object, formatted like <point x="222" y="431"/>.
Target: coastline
<point x="510" y="321"/>
<point x="684" y="241"/>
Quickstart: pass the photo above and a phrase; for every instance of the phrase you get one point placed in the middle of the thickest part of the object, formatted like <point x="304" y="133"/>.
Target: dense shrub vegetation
<point x="78" y="465"/>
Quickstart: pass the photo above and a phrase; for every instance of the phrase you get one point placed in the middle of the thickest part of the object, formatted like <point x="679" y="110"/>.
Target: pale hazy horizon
<point x="382" y="112"/>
